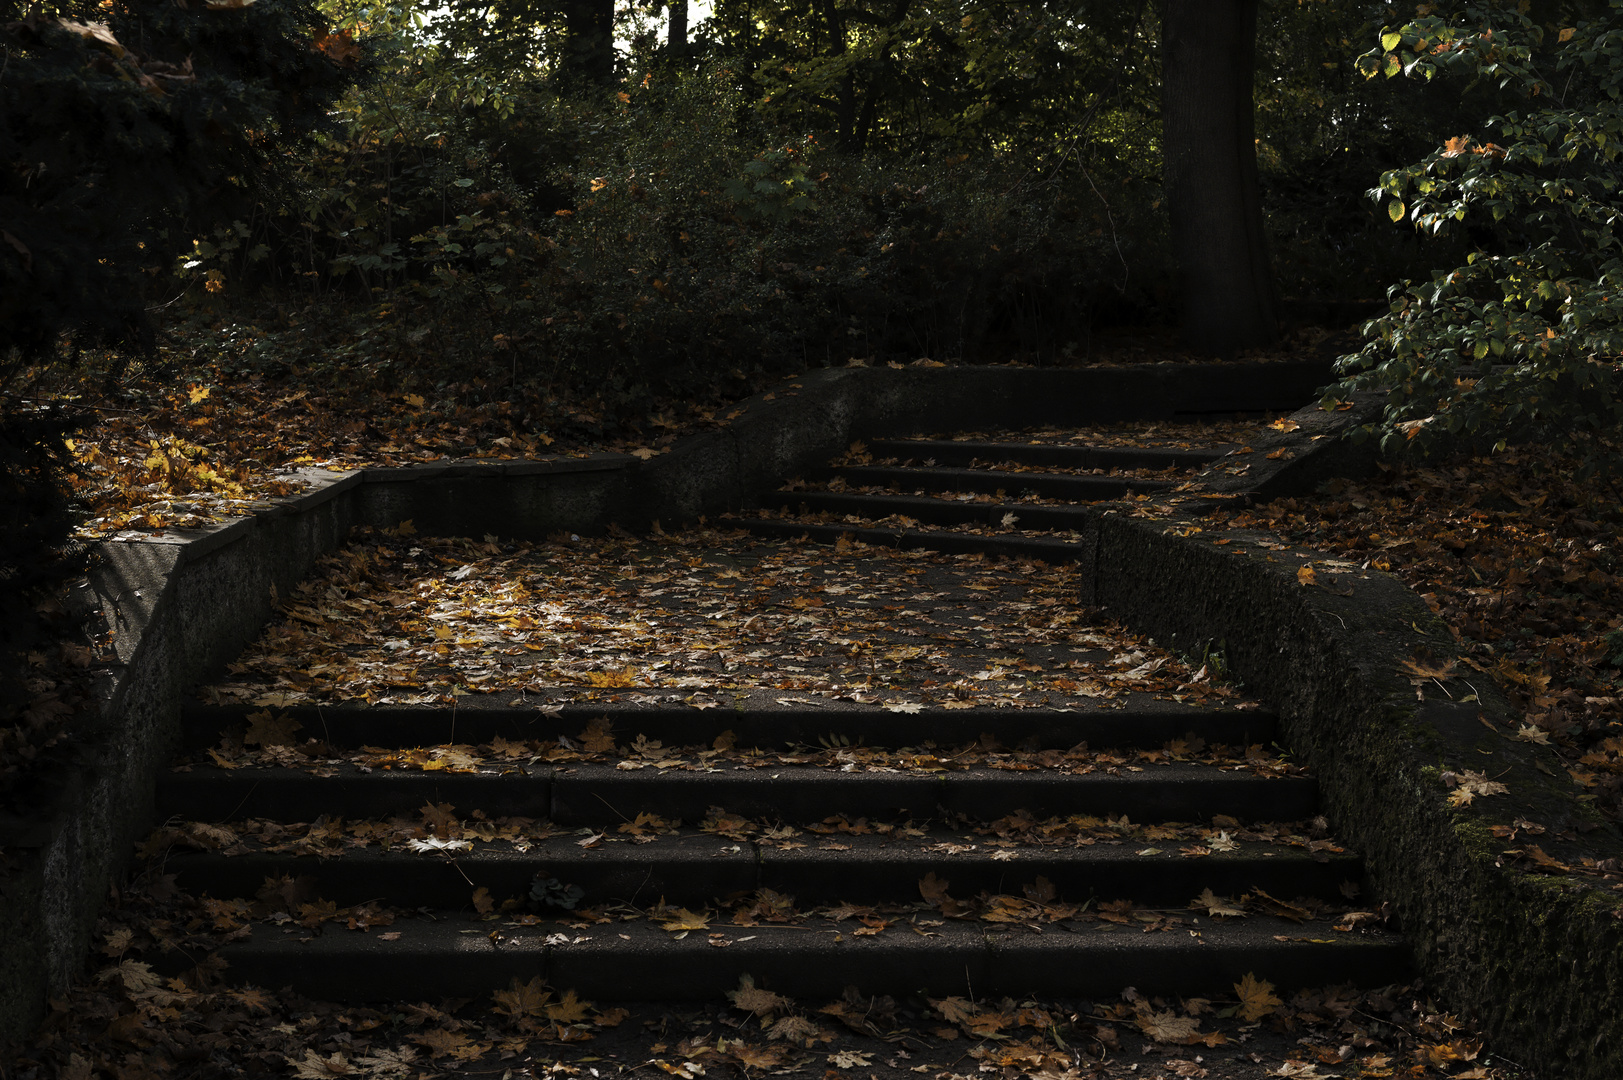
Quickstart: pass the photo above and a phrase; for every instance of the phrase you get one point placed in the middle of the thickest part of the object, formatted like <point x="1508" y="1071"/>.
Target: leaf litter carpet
<point x="704" y="617"/>
<point x="708" y="620"/>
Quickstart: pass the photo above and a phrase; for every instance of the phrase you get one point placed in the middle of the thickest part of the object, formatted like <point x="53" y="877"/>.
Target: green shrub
<point x="661" y="240"/>
<point x="1525" y="337"/>
<point x="116" y="132"/>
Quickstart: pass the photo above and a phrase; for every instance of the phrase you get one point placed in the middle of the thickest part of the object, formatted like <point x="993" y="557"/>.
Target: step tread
<point x="639" y="959"/>
<point x="883" y="503"/>
<point x="707" y="617"/>
<point x="687" y="866"/>
<point x="1054" y="549"/>
<point x="1040" y="452"/>
<point x="647" y="774"/>
<point x="589" y="793"/>
<point x="927" y="476"/>
<point x="1135" y="720"/>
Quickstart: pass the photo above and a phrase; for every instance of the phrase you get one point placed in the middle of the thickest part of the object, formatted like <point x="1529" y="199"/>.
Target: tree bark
<point x="676" y="36"/>
<point x="1226" y="295"/>
<point x="588" y="53"/>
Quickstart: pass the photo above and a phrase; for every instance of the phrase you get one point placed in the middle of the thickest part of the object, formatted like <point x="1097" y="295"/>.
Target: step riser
<point x="811" y="965"/>
<point x="1048" y="485"/>
<point x="960" y="454"/>
<point x="1152" y="726"/>
<point x="813" y="878"/>
<point x="929" y="511"/>
<point x="285" y="795"/>
<point x="581" y="802"/>
<point x="605" y="796"/>
<point x="1014" y="547"/>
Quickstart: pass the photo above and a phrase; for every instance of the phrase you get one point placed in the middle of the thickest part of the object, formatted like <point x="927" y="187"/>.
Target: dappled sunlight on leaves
<point x="690" y="617"/>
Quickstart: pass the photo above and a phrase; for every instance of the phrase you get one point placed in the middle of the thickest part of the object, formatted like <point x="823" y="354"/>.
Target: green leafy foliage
<point x="123" y="126"/>
<point x="120" y="124"/>
<point x="957" y="73"/>
<point x="1525" y="337"/>
<point x="660" y="239"/>
<point x="38" y="556"/>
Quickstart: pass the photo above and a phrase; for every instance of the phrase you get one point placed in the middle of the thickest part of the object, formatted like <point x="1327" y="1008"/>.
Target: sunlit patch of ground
<point x="694" y="617"/>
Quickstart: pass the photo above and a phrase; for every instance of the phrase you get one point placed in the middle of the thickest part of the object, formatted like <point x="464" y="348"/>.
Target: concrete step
<point x="1140" y="722"/>
<point x="435" y="958"/>
<point x="991" y="481"/>
<point x="930" y="511"/>
<point x="692" y="869"/>
<point x="792" y="884"/>
<point x="591" y="794"/>
<point x="961" y="453"/>
<point x="1008" y="545"/>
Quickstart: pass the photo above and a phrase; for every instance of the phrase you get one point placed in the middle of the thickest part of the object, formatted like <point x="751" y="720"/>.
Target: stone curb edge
<point x="1533" y="957"/>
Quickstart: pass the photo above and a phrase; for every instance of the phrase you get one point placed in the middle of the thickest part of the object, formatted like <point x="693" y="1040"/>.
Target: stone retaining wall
<point x="1493" y="939"/>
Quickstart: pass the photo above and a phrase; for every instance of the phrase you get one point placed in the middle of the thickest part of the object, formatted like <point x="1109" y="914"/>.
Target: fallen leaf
<point x="315" y="1067"/>
<point x="265" y="731"/>
<point x="1256" y="998"/>
<point x="523" y="999"/>
<point x="1215" y="906"/>
<point x="683" y="919"/>
<point x="754" y="999"/>
<point x="1167" y="1026"/>
<point x="569" y="1009"/>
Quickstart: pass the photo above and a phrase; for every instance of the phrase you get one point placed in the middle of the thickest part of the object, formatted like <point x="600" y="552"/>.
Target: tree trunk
<point x="588" y="53"/>
<point x="1225" y="280"/>
<point x="676" y="37"/>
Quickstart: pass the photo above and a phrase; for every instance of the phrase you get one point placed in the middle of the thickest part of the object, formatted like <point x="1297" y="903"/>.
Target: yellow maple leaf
<point x="683" y="919"/>
<point x="626" y="676"/>
<point x="1307" y="576"/>
<point x="1256" y="998"/>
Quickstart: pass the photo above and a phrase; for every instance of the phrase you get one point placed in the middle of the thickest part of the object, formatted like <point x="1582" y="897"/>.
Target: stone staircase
<point x="1002" y="494"/>
<point x="658" y="851"/>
